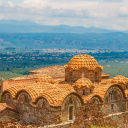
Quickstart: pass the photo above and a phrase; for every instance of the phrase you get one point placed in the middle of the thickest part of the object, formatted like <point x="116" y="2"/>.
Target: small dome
<point x="83" y="60"/>
<point x="45" y="78"/>
<point x="120" y="79"/>
<point x="83" y="82"/>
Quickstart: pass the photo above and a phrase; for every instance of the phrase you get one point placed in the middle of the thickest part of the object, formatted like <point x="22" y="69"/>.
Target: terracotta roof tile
<point x="83" y="82"/>
<point x="104" y="74"/>
<point x="53" y="71"/>
<point x="4" y="106"/>
<point x="54" y="93"/>
<point x="80" y="61"/>
<point x="120" y="79"/>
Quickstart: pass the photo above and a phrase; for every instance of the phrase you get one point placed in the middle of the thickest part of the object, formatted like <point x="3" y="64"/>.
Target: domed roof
<point x="83" y="82"/>
<point x="83" y="60"/>
<point x="120" y="79"/>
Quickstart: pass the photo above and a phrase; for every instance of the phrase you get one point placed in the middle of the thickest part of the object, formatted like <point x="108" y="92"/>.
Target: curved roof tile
<point x="54" y="93"/>
<point x="86" y="61"/>
<point x="83" y="82"/>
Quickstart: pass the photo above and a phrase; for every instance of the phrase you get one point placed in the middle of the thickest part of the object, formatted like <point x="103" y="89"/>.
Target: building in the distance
<point x="61" y="90"/>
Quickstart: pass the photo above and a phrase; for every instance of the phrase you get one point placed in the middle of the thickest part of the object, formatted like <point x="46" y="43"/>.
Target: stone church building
<point x="61" y="90"/>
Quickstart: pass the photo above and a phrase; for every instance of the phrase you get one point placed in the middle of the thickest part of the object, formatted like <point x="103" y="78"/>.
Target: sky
<point x="108" y="14"/>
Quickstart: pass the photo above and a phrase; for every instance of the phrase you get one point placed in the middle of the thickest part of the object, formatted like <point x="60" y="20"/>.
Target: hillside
<point x="100" y="41"/>
<point x="13" y="26"/>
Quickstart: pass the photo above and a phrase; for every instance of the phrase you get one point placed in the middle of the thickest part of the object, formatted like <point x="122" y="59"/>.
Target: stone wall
<point x="7" y="114"/>
<point x="118" y="118"/>
<point x="117" y="107"/>
<point x="61" y="125"/>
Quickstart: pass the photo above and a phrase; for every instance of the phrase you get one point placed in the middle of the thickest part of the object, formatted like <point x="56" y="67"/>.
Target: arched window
<point x="9" y="96"/>
<point x="95" y="101"/>
<point x="83" y="91"/>
<point x="71" y="113"/>
<point x="112" y="96"/>
<point x="96" y="77"/>
<point x="90" y="90"/>
<point x="112" y="107"/>
<point x="43" y="105"/>
<point x="25" y="99"/>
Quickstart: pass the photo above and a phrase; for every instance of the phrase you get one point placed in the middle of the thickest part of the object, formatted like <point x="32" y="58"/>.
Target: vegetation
<point x="14" y="64"/>
<point x="91" y="115"/>
<point x="101" y="41"/>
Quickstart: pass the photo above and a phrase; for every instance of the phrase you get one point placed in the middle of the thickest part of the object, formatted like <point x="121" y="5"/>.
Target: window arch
<point x="96" y="74"/>
<point x="83" y="91"/>
<point x="71" y="113"/>
<point x="114" y="93"/>
<point x="43" y="105"/>
<point x="9" y="97"/>
<point x="113" y="96"/>
<point x="23" y="98"/>
<point x="110" y="97"/>
<point x="112" y="107"/>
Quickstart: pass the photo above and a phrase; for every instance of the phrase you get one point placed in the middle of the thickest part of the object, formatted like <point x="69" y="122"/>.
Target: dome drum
<point x="83" y="86"/>
<point x="83" y="66"/>
<point x="83" y="60"/>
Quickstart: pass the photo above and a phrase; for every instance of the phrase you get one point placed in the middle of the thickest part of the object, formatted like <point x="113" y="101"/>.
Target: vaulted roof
<point x="54" y="93"/>
<point x="120" y="80"/>
<point x="101" y="89"/>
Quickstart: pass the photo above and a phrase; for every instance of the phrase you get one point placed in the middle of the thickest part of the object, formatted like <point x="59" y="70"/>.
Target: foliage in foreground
<point x="91" y="115"/>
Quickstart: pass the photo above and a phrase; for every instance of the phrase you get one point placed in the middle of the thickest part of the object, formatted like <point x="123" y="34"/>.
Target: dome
<point x="83" y="60"/>
<point x="120" y="79"/>
<point x="83" y="82"/>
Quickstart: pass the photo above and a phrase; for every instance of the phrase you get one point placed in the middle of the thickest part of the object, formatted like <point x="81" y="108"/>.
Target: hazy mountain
<point x="13" y="26"/>
<point x="29" y="35"/>
<point x="15" y="22"/>
<point x="96" y="41"/>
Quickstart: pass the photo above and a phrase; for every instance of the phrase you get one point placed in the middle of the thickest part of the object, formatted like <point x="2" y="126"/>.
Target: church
<point x="61" y="90"/>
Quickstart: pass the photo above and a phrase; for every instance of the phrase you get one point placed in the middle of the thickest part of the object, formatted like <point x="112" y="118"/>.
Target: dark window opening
<point x="71" y="113"/>
<point x="83" y="91"/>
<point x="43" y="104"/>
<point x="9" y="96"/>
<point x="112" y="107"/>
<point x="70" y="101"/>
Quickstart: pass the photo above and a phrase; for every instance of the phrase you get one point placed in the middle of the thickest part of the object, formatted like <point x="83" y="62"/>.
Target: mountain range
<point x="30" y="35"/>
<point x="13" y="26"/>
